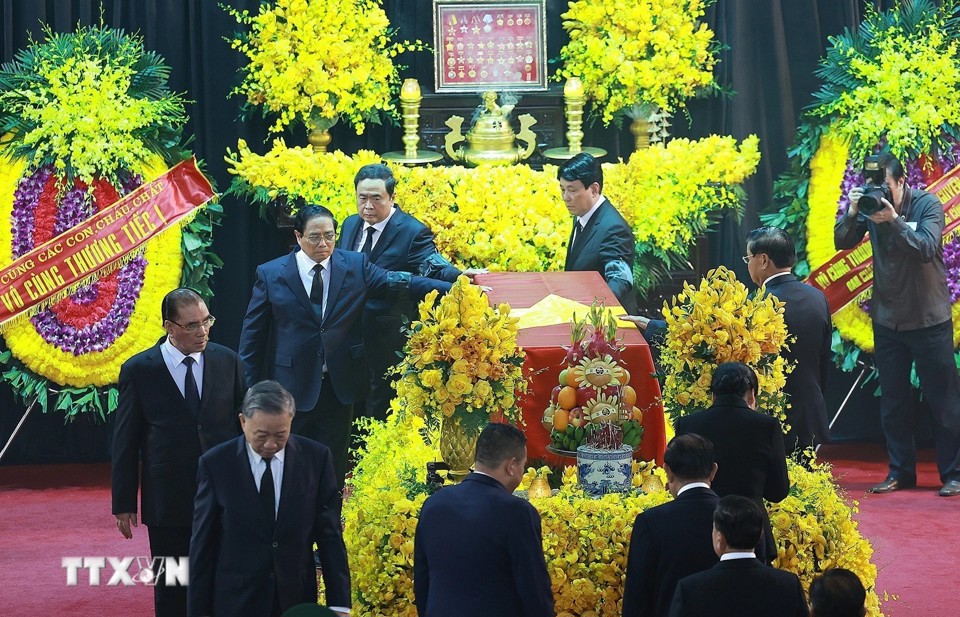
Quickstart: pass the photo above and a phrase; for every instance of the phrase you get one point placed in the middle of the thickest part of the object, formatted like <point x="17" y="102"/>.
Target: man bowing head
<point x="263" y="500"/>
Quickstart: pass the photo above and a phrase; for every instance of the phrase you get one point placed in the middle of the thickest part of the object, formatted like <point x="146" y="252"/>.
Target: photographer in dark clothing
<point x="912" y="322"/>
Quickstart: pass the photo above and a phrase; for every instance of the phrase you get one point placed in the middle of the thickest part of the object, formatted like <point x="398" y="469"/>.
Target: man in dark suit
<point x="263" y="500"/>
<point x="739" y="586"/>
<point x="748" y="443"/>
<point x="478" y="549"/>
<point x="770" y="256"/>
<point x="303" y="327"/>
<point x="177" y="399"/>
<point x="393" y="240"/>
<point x="673" y="540"/>
<point x="601" y="239"/>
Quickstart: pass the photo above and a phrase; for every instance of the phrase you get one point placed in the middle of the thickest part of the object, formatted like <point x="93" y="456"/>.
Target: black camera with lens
<point x="875" y="188"/>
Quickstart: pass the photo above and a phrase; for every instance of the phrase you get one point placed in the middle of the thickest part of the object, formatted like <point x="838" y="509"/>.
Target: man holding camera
<point x="911" y="312"/>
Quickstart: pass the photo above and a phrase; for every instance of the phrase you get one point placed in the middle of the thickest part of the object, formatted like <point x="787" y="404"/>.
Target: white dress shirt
<point x="738" y="555"/>
<point x="173" y="358"/>
<point x="687" y="487"/>
<point x="258" y="466"/>
<point x="583" y="220"/>
<point x="773" y="276"/>
<point x="305" y="268"/>
<point x="378" y="231"/>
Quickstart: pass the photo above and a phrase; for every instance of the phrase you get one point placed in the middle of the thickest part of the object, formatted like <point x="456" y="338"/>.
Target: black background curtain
<point x="773" y="48"/>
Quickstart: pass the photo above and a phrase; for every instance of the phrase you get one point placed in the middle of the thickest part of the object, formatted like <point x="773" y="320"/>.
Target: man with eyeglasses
<point x="303" y="327"/>
<point x="393" y="240"/>
<point x="177" y="400"/>
<point x="770" y="258"/>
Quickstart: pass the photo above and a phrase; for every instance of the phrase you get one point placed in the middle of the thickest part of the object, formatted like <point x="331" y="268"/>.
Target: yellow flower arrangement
<point x="667" y="192"/>
<point x="654" y="53"/>
<point x="815" y="531"/>
<point x="512" y="218"/>
<point x="891" y="84"/>
<point x="585" y="540"/>
<point x="901" y="83"/>
<point x="91" y="112"/>
<point x="316" y="60"/>
<point x="91" y="103"/>
<point x="461" y="360"/>
<point x="826" y="176"/>
<point x="718" y="322"/>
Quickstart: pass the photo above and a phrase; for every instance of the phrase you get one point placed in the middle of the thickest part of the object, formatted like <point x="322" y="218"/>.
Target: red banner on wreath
<point x="101" y="243"/>
<point x="849" y="273"/>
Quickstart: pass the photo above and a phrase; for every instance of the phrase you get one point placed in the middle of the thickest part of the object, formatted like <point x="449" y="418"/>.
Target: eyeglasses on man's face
<point x="746" y="258"/>
<point x="194" y="327"/>
<point x="316" y="239"/>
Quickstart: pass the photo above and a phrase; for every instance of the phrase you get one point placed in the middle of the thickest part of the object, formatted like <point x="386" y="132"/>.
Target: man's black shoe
<point x="893" y="484"/>
<point x="951" y="488"/>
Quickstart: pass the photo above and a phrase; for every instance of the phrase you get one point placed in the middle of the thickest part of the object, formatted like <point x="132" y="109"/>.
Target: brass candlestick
<point x="410" y="107"/>
<point x="573" y="100"/>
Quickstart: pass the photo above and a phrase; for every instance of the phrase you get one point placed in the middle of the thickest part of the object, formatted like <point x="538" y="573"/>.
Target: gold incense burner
<point x="491" y="140"/>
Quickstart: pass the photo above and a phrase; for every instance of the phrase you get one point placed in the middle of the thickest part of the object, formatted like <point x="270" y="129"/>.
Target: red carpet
<point x="53" y="511"/>
<point x="914" y="532"/>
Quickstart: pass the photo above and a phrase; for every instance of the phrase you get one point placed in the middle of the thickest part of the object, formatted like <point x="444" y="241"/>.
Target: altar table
<point x="545" y="348"/>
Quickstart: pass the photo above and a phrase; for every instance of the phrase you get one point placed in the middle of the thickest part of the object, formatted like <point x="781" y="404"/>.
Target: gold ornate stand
<point x="410" y="105"/>
<point x="573" y="99"/>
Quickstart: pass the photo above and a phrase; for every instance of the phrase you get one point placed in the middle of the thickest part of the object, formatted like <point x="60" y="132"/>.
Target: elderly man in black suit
<point x="749" y="444"/>
<point x="303" y="327"/>
<point x="673" y="540"/>
<point x="478" y="549"/>
<point x="770" y="257"/>
<point x="739" y="586"/>
<point x="177" y="399"/>
<point x="263" y="499"/>
<point x="393" y="240"/>
<point x="601" y="239"/>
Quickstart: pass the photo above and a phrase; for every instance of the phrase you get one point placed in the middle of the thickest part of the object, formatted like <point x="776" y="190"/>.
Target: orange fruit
<point x="560" y="420"/>
<point x="572" y="377"/>
<point x="567" y="398"/>
<point x="638" y="415"/>
<point x="629" y="396"/>
<point x="626" y="376"/>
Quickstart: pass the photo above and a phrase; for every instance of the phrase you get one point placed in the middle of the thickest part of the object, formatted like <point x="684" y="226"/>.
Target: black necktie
<point x="191" y="394"/>
<point x="368" y="242"/>
<point x="268" y="496"/>
<point x="578" y="231"/>
<point x="316" y="291"/>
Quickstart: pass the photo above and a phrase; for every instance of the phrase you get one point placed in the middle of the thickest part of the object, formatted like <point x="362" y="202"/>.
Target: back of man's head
<point x="740" y="521"/>
<point x="734" y="378"/>
<point x="690" y="458"/>
<point x="499" y="443"/>
<point x="837" y="593"/>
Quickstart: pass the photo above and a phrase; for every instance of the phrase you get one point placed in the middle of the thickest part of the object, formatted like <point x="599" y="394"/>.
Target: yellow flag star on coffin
<point x="554" y="310"/>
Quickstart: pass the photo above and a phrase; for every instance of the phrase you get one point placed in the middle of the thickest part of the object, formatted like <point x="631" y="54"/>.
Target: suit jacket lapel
<point x="349" y="233"/>
<point x="288" y="492"/>
<point x="291" y="276"/>
<point x="209" y="359"/>
<point x="581" y="240"/>
<point x="165" y="381"/>
<point x="338" y="269"/>
<point x="389" y="232"/>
